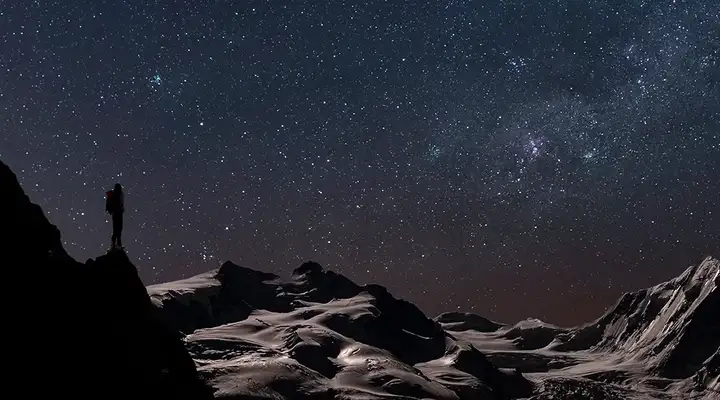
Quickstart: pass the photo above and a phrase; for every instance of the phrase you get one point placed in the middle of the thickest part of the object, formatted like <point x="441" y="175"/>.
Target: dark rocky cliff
<point x="80" y="330"/>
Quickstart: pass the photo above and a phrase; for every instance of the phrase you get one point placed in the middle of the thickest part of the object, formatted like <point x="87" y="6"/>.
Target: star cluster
<point x="509" y="158"/>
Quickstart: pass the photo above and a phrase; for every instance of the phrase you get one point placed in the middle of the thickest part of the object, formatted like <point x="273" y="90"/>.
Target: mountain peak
<point x="310" y="267"/>
<point x="462" y="321"/>
<point x="703" y="277"/>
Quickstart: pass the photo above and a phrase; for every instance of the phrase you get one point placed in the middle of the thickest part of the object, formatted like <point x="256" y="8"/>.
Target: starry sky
<point x="508" y="158"/>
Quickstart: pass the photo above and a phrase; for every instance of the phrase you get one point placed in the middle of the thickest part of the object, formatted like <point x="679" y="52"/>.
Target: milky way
<point x="510" y="159"/>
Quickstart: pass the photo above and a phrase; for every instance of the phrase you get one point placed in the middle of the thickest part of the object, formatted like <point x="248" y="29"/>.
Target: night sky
<point x="509" y="159"/>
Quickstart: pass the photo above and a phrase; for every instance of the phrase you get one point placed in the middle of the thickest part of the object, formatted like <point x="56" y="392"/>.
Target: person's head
<point x="118" y="188"/>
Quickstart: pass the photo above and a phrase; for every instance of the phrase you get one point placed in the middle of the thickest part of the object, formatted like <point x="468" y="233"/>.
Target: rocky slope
<point x="81" y="330"/>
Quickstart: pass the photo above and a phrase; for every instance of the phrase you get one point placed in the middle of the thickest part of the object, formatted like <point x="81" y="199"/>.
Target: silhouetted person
<point x="115" y="206"/>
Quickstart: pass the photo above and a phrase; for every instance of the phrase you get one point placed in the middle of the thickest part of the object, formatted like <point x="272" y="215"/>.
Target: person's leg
<point x="117" y="229"/>
<point x="114" y="231"/>
<point x="120" y="228"/>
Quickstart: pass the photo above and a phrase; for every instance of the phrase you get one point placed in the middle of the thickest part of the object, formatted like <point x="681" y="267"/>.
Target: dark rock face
<point x="90" y="327"/>
<point x="708" y="377"/>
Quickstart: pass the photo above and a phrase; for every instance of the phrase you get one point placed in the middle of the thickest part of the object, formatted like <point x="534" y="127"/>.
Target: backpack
<point x="109" y="206"/>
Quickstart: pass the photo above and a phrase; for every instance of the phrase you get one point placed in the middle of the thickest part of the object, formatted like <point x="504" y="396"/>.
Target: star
<point x="431" y="147"/>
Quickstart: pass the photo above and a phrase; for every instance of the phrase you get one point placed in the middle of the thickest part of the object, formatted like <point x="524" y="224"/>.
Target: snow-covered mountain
<point x="318" y="334"/>
<point x="92" y="329"/>
<point x="672" y="327"/>
<point x="663" y="339"/>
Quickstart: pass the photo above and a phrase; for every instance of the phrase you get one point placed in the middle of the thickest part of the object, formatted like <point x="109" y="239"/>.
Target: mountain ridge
<point x="339" y="321"/>
<point x="310" y="287"/>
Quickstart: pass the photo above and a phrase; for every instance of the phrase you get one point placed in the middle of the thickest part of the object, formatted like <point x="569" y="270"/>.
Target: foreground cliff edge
<point x="93" y="330"/>
<point x="81" y="330"/>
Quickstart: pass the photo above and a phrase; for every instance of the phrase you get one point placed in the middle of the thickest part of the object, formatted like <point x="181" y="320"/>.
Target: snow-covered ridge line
<point x="322" y="326"/>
